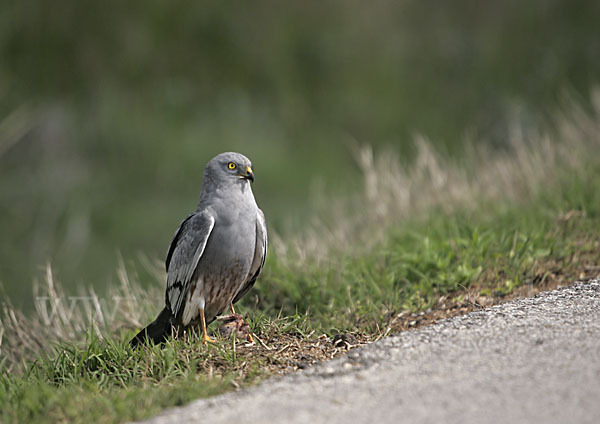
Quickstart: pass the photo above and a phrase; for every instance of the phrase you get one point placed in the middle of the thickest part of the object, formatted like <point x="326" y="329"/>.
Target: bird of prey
<point x="216" y="254"/>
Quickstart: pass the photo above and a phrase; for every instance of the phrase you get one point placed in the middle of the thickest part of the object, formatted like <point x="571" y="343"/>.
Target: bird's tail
<point x="157" y="331"/>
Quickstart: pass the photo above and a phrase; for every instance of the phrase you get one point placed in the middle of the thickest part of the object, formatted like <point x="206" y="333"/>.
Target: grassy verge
<point x="418" y="245"/>
<point x="401" y="284"/>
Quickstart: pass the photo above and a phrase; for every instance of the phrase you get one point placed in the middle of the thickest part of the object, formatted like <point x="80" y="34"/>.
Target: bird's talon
<point x="207" y="339"/>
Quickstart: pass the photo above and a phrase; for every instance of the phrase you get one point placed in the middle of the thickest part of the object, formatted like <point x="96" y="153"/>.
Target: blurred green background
<point x="109" y="110"/>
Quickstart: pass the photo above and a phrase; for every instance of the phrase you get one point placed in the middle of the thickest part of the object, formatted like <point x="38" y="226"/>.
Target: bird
<point x="216" y="254"/>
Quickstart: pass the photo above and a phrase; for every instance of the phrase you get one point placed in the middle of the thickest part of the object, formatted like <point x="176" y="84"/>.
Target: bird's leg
<point x="205" y="336"/>
<point x="231" y="308"/>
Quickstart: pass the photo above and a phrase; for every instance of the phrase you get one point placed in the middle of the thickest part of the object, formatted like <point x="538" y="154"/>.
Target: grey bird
<point x="216" y="254"/>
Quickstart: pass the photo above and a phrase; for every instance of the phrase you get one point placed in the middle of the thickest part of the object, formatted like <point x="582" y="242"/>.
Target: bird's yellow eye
<point x="231" y="165"/>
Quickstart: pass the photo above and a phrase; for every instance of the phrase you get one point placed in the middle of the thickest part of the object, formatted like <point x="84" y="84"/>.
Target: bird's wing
<point x="184" y="253"/>
<point x="260" y="253"/>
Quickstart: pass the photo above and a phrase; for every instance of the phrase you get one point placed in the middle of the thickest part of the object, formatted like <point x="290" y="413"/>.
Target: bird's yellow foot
<point x="206" y="339"/>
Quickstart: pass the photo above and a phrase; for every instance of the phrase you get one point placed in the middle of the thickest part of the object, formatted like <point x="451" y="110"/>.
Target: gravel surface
<point x="531" y="360"/>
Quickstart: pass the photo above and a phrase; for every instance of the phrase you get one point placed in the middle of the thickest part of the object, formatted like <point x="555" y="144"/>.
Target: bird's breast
<point x="229" y="252"/>
<point x="225" y="263"/>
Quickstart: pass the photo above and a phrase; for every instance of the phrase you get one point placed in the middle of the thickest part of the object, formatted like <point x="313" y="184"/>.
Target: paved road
<point x="527" y="361"/>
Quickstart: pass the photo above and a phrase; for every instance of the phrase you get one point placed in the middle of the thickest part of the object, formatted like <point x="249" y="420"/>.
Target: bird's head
<point x="229" y="166"/>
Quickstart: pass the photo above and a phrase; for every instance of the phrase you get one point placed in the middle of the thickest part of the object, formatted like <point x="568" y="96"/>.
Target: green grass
<point x="495" y="248"/>
<point x="108" y="381"/>
<point x="105" y="382"/>
<point x="419" y="262"/>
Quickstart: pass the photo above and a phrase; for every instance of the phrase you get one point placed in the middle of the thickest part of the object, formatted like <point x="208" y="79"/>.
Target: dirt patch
<point x="280" y="353"/>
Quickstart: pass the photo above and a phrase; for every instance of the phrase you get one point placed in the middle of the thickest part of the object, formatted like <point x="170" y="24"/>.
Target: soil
<point x="284" y="353"/>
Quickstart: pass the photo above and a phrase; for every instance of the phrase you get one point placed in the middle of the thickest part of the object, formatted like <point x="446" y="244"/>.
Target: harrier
<point x="216" y="254"/>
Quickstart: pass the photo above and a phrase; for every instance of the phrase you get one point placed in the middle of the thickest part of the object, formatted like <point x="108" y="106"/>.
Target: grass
<point x="102" y="382"/>
<point x="437" y="238"/>
<point x="105" y="380"/>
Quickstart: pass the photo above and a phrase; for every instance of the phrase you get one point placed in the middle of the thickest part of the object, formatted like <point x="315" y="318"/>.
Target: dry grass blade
<point x="393" y="192"/>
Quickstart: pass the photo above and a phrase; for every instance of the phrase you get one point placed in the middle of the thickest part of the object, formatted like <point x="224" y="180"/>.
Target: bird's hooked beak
<point x="248" y="175"/>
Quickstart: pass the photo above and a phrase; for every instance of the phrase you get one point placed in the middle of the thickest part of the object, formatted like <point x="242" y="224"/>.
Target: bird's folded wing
<point x="260" y="253"/>
<point x="184" y="254"/>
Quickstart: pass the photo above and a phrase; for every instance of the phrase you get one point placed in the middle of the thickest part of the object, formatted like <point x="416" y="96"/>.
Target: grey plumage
<point x="216" y="253"/>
